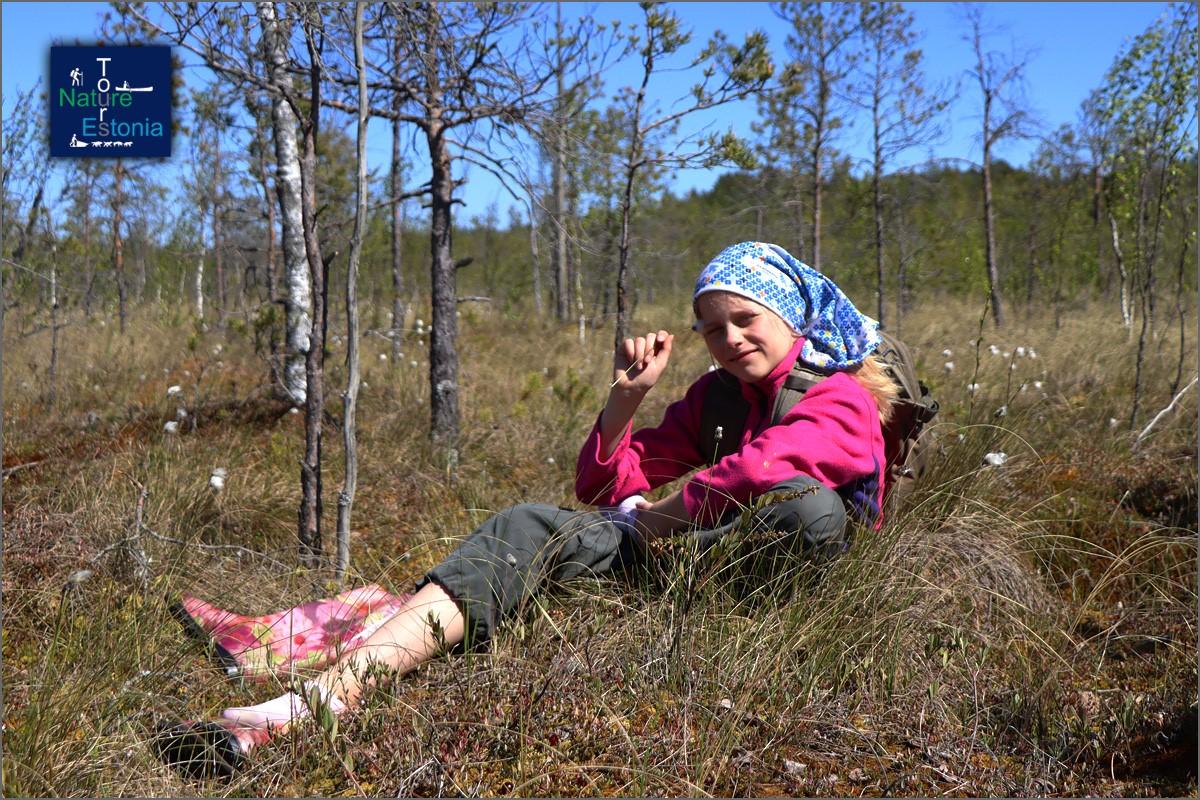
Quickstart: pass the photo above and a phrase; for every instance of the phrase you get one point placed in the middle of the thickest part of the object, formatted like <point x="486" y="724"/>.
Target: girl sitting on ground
<point x="758" y="310"/>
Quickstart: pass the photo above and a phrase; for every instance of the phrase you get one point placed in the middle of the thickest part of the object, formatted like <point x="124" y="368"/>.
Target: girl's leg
<point x="429" y="619"/>
<point x="488" y="576"/>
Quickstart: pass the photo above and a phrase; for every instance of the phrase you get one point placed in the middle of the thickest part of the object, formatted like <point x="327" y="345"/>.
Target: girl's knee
<point x="808" y="510"/>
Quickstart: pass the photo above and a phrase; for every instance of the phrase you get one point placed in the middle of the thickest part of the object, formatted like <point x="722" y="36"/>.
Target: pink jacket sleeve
<point x="833" y="435"/>
<point x="646" y="459"/>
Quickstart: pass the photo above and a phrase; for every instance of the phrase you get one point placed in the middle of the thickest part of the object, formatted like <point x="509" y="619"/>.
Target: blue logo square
<point x="110" y="102"/>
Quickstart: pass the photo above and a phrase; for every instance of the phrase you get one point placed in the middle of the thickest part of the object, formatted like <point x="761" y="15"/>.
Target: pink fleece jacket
<point x="833" y="434"/>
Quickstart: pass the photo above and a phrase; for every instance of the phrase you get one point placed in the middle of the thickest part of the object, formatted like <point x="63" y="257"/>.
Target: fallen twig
<point x="1137" y="442"/>
<point x="15" y="467"/>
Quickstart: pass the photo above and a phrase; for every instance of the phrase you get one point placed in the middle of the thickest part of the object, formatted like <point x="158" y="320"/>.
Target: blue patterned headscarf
<point x="837" y="335"/>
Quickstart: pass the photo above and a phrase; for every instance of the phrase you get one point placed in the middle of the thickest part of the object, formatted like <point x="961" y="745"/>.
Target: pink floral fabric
<point x="306" y="637"/>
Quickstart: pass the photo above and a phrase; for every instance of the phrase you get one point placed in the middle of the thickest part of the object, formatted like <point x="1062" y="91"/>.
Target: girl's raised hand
<point x="638" y="363"/>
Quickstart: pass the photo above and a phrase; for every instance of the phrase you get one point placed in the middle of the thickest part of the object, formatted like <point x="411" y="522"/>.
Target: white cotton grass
<point x="174" y="390"/>
<point x="171" y="427"/>
<point x="972" y="387"/>
<point x="993" y="349"/>
<point x="1020" y="351"/>
<point x="383" y="356"/>
<point x="947" y="353"/>
<point x="181" y="413"/>
<point x="217" y="479"/>
<point x="995" y="459"/>
<point x="948" y="366"/>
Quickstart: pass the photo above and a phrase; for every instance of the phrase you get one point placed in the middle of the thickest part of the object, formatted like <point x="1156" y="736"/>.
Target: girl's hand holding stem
<point x="638" y="363"/>
<point x="637" y="366"/>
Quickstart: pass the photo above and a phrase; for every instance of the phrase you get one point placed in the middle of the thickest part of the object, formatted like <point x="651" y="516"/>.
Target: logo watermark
<point x="110" y="102"/>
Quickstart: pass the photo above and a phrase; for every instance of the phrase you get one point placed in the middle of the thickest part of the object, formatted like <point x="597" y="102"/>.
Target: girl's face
<point x="744" y="337"/>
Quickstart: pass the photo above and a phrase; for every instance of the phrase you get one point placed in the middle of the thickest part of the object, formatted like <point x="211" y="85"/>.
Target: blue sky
<point x="1071" y="46"/>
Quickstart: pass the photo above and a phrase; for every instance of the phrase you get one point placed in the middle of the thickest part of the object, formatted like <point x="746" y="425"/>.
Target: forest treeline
<point x="252" y="224"/>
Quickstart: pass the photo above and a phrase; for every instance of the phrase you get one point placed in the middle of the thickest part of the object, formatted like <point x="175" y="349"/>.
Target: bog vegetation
<point x="1025" y="625"/>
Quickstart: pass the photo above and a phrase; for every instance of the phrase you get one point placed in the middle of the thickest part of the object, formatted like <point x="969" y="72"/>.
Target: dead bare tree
<point x="999" y="78"/>
<point x="350" y="396"/>
<point x="803" y="113"/>
<point x="729" y="73"/>
<point x="397" y="220"/>
<point x="903" y="111"/>
<point x="118" y="240"/>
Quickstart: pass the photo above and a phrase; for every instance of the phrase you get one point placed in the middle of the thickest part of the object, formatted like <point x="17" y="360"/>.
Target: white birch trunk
<point x="198" y="288"/>
<point x="287" y="182"/>
<point x="1126" y="305"/>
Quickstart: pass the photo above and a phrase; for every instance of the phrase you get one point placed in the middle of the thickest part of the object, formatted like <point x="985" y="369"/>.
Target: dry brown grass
<point x="1019" y="630"/>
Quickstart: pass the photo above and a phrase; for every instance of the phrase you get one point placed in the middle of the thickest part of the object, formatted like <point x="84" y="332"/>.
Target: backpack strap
<point x="802" y="378"/>
<point x="894" y="357"/>
<point x="725" y="408"/>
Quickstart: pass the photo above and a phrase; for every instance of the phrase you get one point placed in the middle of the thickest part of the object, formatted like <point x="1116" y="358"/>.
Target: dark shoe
<point x="195" y="631"/>
<point x="201" y="749"/>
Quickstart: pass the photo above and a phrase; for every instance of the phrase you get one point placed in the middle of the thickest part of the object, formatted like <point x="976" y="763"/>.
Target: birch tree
<point x="1149" y="103"/>
<point x="289" y="187"/>
<point x="219" y="35"/>
<point x="215" y="34"/>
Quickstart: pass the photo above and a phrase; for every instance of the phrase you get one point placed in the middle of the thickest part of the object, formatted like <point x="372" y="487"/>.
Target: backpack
<point x="906" y="451"/>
